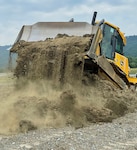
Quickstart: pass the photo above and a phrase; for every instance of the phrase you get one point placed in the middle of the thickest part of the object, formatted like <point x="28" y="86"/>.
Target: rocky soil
<point x="121" y="134"/>
<point x="24" y="128"/>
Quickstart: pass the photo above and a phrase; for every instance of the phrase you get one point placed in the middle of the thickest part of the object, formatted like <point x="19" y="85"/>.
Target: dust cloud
<point x="47" y="91"/>
<point x="36" y="105"/>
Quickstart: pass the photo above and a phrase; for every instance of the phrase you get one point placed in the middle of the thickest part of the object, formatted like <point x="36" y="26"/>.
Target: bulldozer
<point x="104" y="56"/>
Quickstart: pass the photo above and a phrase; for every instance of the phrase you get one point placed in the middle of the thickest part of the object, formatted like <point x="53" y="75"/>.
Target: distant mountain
<point x="131" y="48"/>
<point x="4" y="57"/>
<point x="6" y="47"/>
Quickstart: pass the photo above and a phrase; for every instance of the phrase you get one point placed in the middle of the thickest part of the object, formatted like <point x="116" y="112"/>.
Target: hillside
<point x="4" y="57"/>
<point x="131" y="47"/>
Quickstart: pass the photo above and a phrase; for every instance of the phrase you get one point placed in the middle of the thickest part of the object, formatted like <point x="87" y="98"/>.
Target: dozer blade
<point x="106" y="67"/>
<point x="42" y="30"/>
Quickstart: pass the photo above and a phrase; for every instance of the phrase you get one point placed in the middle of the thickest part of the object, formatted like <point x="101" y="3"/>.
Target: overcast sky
<point x="16" y="13"/>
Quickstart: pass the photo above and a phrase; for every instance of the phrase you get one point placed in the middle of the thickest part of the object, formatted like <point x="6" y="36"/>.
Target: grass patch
<point x="6" y="78"/>
<point x="133" y="70"/>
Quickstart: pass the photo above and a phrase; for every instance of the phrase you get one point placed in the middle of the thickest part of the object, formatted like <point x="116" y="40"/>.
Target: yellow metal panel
<point x="98" y="51"/>
<point x="122" y="62"/>
<point x="132" y="80"/>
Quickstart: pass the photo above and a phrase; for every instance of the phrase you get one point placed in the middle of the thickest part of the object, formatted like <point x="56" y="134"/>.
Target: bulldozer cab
<point x="112" y="45"/>
<point x="111" y="42"/>
<point x="110" y="62"/>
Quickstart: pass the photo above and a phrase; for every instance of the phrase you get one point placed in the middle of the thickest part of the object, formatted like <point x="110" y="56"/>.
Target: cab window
<point x="106" y="45"/>
<point x="119" y="44"/>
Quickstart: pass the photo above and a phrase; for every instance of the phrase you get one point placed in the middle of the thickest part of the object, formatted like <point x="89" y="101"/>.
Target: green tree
<point x="132" y="62"/>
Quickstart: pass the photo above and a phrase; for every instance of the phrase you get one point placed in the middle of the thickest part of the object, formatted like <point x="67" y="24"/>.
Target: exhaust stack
<point x="94" y="18"/>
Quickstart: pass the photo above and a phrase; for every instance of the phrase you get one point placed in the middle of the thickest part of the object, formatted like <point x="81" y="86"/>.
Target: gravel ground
<point x="121" y="134"/>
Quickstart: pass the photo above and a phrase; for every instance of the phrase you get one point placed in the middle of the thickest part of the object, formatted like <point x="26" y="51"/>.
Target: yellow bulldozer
<point x="105" y="54"/>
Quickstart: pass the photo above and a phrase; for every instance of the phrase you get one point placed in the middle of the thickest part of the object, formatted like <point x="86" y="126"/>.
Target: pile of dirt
<point x="38" y="102"/>
<point x="55" y="59"/>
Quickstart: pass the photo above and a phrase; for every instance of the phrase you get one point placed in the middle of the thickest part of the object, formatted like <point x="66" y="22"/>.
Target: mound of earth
<point x="37" y="105"/>
<point x="59" y="59"/>
<point x="38" y="102"/>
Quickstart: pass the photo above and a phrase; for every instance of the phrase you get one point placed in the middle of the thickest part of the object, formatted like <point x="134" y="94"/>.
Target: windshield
<point x="106" y="46"/>
<point x="119" y="44"/>
<point x="111" y="42"/>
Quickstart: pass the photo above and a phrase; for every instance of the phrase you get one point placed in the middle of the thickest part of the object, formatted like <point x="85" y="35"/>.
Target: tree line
<point x="132" y="62"/>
